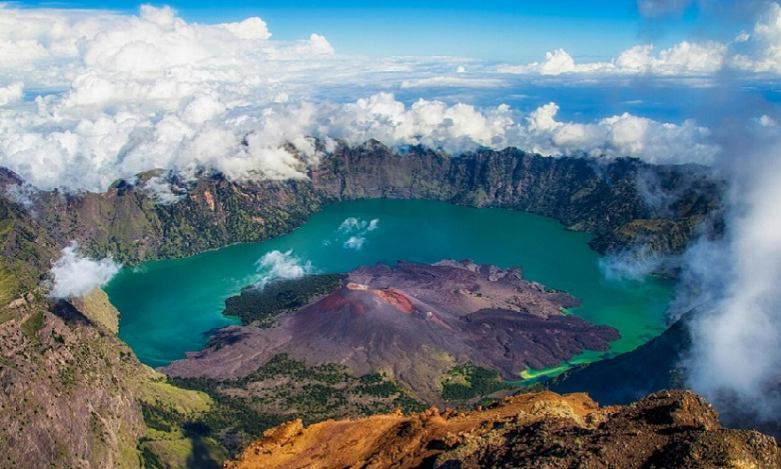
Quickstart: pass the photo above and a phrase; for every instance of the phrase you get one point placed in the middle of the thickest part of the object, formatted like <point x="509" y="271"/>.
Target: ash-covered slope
<point x="414" y="322"/>
<point x="666" y="430"/>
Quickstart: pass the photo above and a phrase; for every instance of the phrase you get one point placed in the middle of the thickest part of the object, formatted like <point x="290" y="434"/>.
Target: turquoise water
<point x="170" y="307"/>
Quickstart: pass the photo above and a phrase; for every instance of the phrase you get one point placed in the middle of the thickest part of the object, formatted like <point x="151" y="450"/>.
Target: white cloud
<point x="447" y="81"/>
<point x="12" y="93"/>
<point x="251" y="28"/>
<point x="163" y="191"/>
<point x="683" y="59"/>
<point x="93" y="152"/>
<point x="355" y="242"/>
<point x="624" y="135"/>
<point x="751" y="52"/>
<point x="735" y="360"/>
<point x="23" y="194"/>
<point x="76" y="276"/>
<point x="760" y="49"/>
<point x="281" y="265"/>
<point x="353" y="225"/>
<point x="356" y="229"/>
<point x="123" y="94"/>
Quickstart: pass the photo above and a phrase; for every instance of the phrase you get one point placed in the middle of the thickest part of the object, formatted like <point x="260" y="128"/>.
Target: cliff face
<point x="63" y="376"/>
<point x="667" y="429"/>
<point x="73" y="395"/>
<point x="126" y="223"/>
<point x="623" y="201"/>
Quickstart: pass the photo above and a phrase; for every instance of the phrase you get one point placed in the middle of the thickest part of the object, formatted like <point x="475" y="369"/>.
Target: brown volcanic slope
<point x="414" y="322"/>
<point x="666" y="430"/>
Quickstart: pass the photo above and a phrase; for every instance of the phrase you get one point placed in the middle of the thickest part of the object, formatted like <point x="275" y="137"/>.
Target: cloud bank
<point x="76" y="276"/>
<point x="92" y="154"/>
<point x="755" y="51"/>
<point x="89" y="97"/>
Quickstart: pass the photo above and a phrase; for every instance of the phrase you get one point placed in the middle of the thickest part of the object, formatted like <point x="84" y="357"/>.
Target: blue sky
<point x="490" y="29"/>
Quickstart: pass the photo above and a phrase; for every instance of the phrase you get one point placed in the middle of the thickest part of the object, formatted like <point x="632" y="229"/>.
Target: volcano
<point x="414" y="322"/>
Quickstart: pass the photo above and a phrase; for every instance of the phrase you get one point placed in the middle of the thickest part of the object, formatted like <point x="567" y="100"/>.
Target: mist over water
<point x="731" y="282"/>
<point x="169" y="307"/>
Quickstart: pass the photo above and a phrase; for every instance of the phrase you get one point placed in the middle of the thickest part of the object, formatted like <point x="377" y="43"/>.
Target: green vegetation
<point x="282" y="390"/>
<point x="469" y="381"/>
<point x="32" y="325"/>
<point x="25" y="257"/>
<point x="258" y="307"/>
<point x="176" y="435"/>
<point x="149" y="459"/>
<point x="8" y="282"/>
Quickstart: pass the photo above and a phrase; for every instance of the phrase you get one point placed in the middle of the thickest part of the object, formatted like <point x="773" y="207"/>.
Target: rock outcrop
<point x="546" y="430"/>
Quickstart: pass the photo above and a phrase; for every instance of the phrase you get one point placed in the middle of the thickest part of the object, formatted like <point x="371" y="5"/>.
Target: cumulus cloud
<point x="281" y="265"/>
<point x="94" y="153"/>
<point x="355" y="242"/>
<point x="681" y="60"/>
<point x="12" y="93"/>
<point x="134" y="93"/>
<point x="750" y="52"/>
<point x="624" y="135"/>
<point x="75" y="275"/>
<point x="122" y="94"/>
<point x="352" y="225"/>
<point x="759" y="50"/>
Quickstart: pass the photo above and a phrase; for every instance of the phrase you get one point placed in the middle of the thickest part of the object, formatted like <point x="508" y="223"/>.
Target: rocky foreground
<point x="675" y="429"/>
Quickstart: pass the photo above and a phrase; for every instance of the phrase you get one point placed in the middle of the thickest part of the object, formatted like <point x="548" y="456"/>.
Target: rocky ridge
<point x="545" y="430"/>
<point x="624" y="202"/>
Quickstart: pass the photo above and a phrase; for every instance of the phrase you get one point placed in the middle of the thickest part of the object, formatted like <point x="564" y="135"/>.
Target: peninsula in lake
<point x="413" y="322"/>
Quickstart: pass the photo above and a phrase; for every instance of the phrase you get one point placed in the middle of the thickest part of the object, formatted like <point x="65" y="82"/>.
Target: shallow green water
<point x="169" y="307"/>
